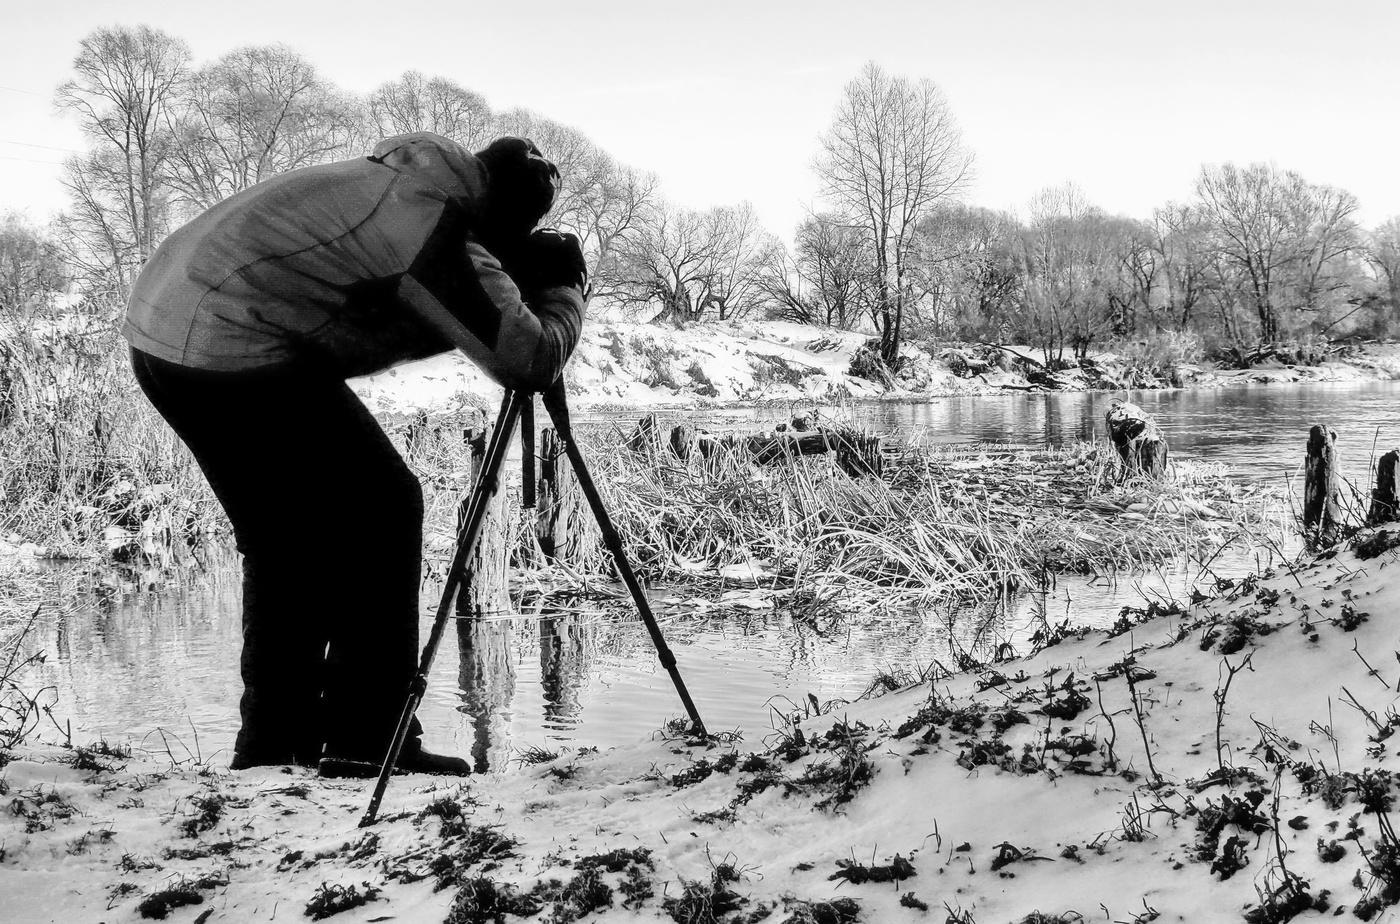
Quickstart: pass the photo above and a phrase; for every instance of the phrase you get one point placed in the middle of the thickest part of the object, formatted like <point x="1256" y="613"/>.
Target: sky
<point x="725" y="101"/>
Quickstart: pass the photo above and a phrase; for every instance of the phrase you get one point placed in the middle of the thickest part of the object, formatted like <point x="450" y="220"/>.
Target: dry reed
<point x="940" y="523"/>
<point x="89" y="468"/>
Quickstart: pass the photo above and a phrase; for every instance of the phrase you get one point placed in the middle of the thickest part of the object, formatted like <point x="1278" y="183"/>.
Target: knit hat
<point x="521" y="185"/>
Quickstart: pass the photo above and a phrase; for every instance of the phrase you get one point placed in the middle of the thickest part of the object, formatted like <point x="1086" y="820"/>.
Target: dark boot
<point x="423" y="761"/>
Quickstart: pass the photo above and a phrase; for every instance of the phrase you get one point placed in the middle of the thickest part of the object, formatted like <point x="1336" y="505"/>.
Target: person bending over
<point x="244" y="326"/>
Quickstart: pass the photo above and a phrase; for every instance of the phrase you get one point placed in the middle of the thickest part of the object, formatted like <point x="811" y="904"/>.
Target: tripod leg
<point x="467" y="539"/>
<point x="557" y="406"/>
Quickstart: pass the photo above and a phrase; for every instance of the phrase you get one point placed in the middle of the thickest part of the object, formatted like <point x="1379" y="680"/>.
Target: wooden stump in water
<point x="420" y="436"/>
<point x="561" y="519"/>
<point x="861" y="455"/>
<point x="646" y="438"/>
<point x="1322" y="512"/>
<point x="485" y="589"/>
<point x="682" y="441"/>
<point x="1140" y="443"/>
<point x="1384" y="508"/>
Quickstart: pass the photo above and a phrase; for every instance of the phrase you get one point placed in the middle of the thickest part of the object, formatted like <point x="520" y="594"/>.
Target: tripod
<point x="515" y="406"/>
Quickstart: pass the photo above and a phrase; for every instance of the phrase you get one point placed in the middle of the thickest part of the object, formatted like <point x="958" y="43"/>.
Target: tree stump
<point x="861" y="455"/>
<point x="1384" y="508"/>
<point x="1322" y="512"/>
<point x="421" y="437"/>
<point x="561" y="520"/>
<point x="1142" y="448"/>
<point x="485" y="585"/>
<point x="646" y="438"/>
<point x="682" y="441"/>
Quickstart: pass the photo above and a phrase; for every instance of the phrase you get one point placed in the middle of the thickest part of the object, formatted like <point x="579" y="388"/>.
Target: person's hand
<point x="551" y="258"/>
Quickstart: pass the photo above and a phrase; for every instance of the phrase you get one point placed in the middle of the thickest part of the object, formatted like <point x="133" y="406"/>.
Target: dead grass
<point x="92" y="470"/>
<point x="89" y="468"/>
<point x="938" y="524"/>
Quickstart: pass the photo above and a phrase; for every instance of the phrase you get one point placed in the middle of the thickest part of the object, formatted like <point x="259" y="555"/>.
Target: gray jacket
<point x="355" y="266"/>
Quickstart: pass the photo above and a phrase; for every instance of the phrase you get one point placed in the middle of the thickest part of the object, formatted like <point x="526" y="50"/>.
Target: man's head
<point x="521" y="186"/>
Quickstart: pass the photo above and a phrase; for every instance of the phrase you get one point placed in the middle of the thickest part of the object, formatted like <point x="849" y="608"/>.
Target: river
<point x="160" y="669"/>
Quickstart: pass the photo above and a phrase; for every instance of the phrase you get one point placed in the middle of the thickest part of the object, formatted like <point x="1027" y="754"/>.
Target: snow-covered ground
<point x="638" y="365"/>
<point x="1185" y="767"/>
<point x="723" y="363"/>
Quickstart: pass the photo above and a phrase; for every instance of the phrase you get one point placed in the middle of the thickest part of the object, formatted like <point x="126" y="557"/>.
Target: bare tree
<point x="1330" y="259"/>
<point x="254" y="113"/>
<point x="932" y="275"/>
<point x="1074" y="270"/>
<point x="665" y="267"/>
<point x="1383" y="254"/>
<point x="986" y="286"/>
<point x="892" y="152"/>
<point x="826" y="280"/>
<point x="1132" y="300"/>
<point x="1255" y="234"/>
<point x="683" y="265"/>
<point x="31" y="269"/>
<point x="966" y="271"/>
<point x="606" y="206"/>
<point x="1181" y="242"/>
<point x="126" y="80"/>
<point x="415" y="103"/>
<point x="1281" y="241"/>
<point x="742" y="250"/>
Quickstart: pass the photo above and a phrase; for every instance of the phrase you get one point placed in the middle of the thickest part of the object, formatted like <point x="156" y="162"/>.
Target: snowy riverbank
<point x="1186" y="767"/>
<point x="645" y="365"/>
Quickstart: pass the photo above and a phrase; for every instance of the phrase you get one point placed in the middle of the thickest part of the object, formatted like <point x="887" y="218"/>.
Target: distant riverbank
<point x="630" y="365"/>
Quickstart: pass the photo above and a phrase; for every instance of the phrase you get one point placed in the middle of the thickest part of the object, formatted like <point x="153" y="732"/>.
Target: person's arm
<point x="468" y="299"/>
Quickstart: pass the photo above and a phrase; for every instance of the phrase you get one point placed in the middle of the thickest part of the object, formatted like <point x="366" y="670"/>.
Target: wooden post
<point x="682" y="441"/>
<point x="1322" y="514"/>
<point x="488" y="567"/>
<point x="1384" y="508"/>
<point x="419" y="436"/>
<point x="646" y="438"/>
<point x="1141" y="446"/>
<point x="560" y="521"/>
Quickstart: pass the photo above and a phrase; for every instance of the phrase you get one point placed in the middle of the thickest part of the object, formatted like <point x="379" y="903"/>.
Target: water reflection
<point x="129" y="664"/>
<point x="130" y="667"/>
<point x="168" y="662"/>
<point x="490" y="653"/>
<point x="486" y="685"/>
<point x="564" y="664"/>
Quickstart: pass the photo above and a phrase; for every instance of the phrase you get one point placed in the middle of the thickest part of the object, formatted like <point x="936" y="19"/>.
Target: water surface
<point x="160" y="668"/>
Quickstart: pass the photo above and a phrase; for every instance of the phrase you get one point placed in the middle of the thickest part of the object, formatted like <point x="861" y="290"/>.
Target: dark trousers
<point x="329" y="521"/>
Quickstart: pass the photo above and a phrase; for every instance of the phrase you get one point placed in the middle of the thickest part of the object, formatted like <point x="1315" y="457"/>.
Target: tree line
<point x="1256" y="255"/>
